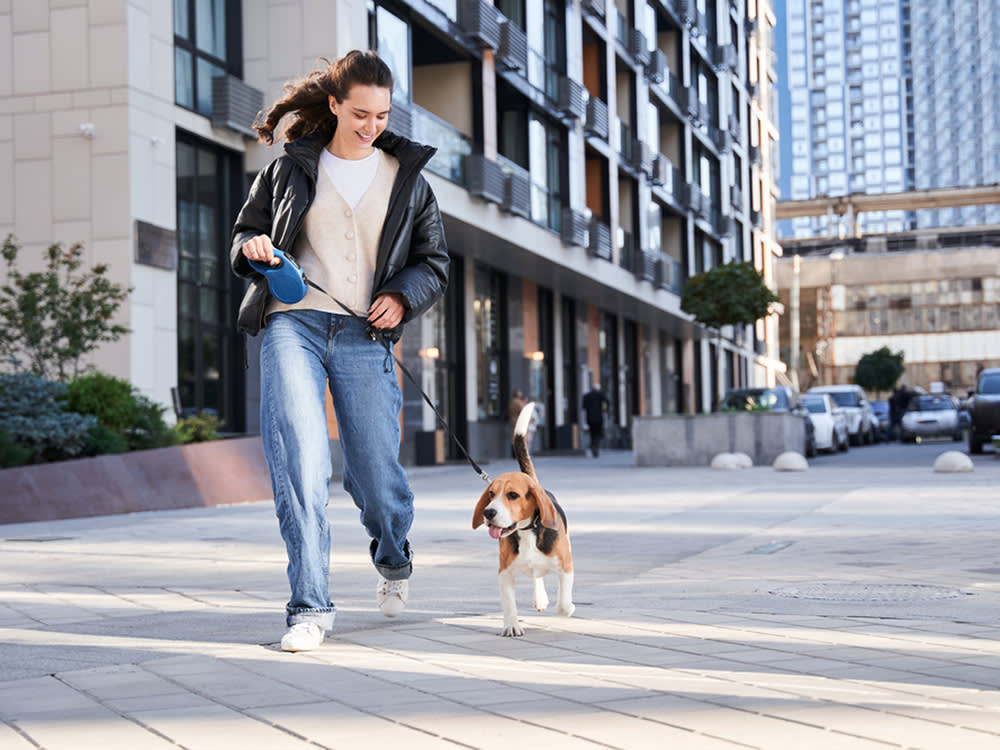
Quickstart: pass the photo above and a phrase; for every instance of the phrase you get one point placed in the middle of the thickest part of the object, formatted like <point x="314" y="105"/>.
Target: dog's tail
<point x="520" y="439"/>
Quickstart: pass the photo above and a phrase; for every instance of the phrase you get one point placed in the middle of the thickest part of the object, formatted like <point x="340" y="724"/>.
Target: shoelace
<point x="391" y="588"/>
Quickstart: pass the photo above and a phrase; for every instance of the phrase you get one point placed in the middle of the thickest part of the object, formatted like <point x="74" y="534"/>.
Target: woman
<point x="347" y="200"/>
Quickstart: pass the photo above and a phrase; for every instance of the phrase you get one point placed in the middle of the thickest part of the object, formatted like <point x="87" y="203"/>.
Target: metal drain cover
<point x="867" y="592"/>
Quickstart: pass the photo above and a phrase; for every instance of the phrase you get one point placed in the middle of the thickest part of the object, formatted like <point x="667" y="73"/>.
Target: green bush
<point x="102" y="441"/>
<point x="198" y="428"/>
<point x="108" y="398"/>
<point x="121" y="409"/>
<point x="11" y="453"/>
<point x="32" y="415"/>
<point x="148" y="430"/>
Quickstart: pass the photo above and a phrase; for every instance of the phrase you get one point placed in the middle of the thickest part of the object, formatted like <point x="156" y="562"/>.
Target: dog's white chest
<point x="529" y="560"/>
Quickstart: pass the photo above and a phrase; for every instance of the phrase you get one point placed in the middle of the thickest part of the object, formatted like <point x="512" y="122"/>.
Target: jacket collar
<point x="305" y="151"/>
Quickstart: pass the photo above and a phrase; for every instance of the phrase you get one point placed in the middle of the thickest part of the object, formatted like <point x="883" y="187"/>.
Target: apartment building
<point x="844" y="102"/>
<point x="591" y="156"/>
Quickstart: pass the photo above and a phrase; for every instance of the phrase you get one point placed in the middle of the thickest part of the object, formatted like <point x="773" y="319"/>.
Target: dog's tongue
<point x="495" y="532"/>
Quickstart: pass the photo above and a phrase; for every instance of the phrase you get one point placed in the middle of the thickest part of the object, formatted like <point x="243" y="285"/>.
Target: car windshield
<point x="844" y="398"/>
<point x="750" y="400"/>
<point x="814" y="405"/>
<point x="990" y="383"/>
<point x="932" y="403"/>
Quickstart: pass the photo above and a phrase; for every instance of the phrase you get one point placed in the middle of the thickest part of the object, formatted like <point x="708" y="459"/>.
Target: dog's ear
<point x="477" y="515"/>
<point x="546" y="508"/>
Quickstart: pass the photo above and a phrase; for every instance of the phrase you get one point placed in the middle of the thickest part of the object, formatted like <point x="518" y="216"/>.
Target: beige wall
<point x="446" y="91"/>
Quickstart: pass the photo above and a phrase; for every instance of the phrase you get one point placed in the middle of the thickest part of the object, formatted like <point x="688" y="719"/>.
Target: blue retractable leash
<point x="288" y="283"/>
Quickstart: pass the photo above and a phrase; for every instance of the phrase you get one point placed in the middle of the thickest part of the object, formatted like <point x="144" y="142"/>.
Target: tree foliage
<point x="879" y="370"/>
<point x="52" y="318"/>
<point x="731" y="294"/>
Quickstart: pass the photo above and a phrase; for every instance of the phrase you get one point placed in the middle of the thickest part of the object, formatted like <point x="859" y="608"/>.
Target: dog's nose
<point x="490" y="513"/>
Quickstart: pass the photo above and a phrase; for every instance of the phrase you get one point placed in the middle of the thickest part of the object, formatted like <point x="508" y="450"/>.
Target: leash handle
<point x="375" y="337"/>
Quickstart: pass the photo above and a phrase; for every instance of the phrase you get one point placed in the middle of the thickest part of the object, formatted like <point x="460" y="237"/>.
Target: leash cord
<point x="381" y="339"/>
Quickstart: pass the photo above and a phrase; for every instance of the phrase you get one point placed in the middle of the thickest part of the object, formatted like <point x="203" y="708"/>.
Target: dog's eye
<point x="512" y="496"/>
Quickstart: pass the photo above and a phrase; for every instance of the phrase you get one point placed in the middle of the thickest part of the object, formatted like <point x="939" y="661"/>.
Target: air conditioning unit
<point x="512" y="52"/>
<point x="478" y="19"/>
<point x="485" y="178"/>
<point x="517" y="193"/>
<point x="657" y="67"/>
<point x="596" y="120"/>
<point x="235" y="104"/>
<point x="571" y="102"/>
<point x="575" y="229"/>
<point x="400" y="119"/>
<point x="638" y="47"/>
<point x="600" y="240"/>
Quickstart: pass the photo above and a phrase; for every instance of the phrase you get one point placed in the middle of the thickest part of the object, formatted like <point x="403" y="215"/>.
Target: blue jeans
<point x="300" y="352"/>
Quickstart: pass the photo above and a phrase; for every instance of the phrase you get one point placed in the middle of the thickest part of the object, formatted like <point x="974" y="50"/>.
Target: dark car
<point x="984" y="410"/>
<point x="779" y="398"/>
<point x="881" y="411"/>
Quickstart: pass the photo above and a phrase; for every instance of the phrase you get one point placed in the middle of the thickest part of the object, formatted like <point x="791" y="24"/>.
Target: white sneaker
<point x="391" y="596"/>
<point x="302" y="636"/>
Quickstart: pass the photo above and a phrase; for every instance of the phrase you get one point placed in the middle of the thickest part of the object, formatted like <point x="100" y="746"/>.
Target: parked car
<point x="861" y="422"/>
<point x="934" y="415"/>
<point x="779" y="398"/>
<point x="984" y="409"/>
<point x="828" y="421"/>
<point x="881" y="411"/>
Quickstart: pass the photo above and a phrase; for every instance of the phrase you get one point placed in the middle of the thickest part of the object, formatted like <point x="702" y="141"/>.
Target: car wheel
<point x="844" y="444"/>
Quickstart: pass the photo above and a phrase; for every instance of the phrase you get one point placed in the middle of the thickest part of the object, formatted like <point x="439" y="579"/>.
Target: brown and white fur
<point x="531" y="529"/>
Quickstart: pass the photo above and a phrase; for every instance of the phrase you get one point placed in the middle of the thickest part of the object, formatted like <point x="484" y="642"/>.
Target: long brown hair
<point x="306" y="99"/>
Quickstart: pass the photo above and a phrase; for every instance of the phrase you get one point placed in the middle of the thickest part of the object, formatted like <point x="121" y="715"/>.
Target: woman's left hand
<point x="387" y="311"/>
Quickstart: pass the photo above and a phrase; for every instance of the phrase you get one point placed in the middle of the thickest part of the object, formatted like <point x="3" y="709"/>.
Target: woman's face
<point x="361" y="118"/>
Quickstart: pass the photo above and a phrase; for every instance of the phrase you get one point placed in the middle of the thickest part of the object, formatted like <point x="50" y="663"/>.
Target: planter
<point x="220" y="472"/>
<point x="694" y="439"/>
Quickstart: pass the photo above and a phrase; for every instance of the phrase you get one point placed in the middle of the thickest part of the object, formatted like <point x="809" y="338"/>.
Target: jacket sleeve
<point x="253" y="219"/>
<point x="424" y="278"/>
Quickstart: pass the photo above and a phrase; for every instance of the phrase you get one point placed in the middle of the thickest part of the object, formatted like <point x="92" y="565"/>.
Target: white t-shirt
<point x="351" y="177"/>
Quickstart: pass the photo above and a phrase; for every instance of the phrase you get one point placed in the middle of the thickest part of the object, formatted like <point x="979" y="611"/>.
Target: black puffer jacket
<point x="412" y="254"/>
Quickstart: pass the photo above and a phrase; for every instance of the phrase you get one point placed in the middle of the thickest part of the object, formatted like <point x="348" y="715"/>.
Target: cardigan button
<point x="348" y="213"/>
<point x="349" y="235"/>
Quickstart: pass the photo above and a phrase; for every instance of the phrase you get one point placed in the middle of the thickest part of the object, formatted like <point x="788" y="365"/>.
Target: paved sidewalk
<point x="827" y="609"/>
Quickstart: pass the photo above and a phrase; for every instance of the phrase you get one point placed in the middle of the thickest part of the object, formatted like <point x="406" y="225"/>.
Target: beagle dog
<point x="531" y="529"/>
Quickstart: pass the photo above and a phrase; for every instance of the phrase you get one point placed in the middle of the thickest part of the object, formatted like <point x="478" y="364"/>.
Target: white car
<point x="828" y="421"/>
<point x="932" y="416"/>
<point x="862" y="424"/>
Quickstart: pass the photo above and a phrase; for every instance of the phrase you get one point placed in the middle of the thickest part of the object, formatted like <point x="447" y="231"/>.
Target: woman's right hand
<point x="260" y="249"/>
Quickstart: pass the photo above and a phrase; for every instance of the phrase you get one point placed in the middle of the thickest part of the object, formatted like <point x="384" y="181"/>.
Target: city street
<point x="854" y="605"/>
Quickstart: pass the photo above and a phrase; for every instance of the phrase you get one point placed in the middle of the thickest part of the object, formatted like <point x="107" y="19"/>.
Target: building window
<point x="209" y="360"/>
<point x="206" y="44"/>
<point x="490" y="315"/>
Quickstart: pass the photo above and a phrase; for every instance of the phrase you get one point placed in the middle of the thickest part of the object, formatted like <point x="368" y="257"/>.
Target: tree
<point x="56" y="316"/>
<point x="727" y="295"/>
<point x="879" y="370"/>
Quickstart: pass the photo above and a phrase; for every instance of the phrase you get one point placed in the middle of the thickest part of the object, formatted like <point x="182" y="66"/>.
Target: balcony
<point x="596" y="118"/>
<point x="453" y="146"/>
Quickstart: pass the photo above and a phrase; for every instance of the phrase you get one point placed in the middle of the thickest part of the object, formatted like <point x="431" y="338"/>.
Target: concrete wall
<point x="693" y="440"/>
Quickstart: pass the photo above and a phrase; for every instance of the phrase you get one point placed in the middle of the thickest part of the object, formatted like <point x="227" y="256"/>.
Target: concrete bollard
<point x="731" y="462"/>
<point x="953" y="461"/>
<point x="790" y="461"/>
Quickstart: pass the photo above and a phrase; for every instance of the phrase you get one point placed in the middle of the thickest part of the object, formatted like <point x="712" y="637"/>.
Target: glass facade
<point x="206" y="44"/>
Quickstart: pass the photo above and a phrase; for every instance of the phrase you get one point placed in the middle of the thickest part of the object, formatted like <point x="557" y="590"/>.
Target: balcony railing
<point x="671" y="276"/>
<point x="452" y="146"/>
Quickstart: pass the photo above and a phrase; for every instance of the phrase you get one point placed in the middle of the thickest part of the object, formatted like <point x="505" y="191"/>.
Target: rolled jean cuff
<point x="393" y="572"/>
<point x="321" y="616"/>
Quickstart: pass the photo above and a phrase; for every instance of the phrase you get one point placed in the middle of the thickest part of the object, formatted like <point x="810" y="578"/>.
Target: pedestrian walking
<point x="346" y="199"/>
<point x="595" y="405"/>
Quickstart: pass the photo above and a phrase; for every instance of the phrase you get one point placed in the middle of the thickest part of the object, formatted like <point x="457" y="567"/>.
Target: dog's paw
<point x="566" y="609"/>
<point x="541" y="602"/>
<point x="512" y="631"/>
